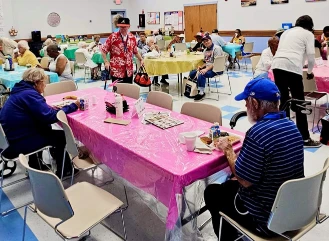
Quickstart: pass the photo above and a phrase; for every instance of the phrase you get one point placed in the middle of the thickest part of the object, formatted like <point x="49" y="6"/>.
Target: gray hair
<point x="116" y="19"/>
<point x="34" y="75"/>
<point x="148" y="39"/>
<point x="269" y="105"/>
<point x="24" y="44"/>
<point x="82" y="44"/>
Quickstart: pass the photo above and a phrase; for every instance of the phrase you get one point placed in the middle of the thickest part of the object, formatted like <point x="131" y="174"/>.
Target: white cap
<point x="181" y="36"/>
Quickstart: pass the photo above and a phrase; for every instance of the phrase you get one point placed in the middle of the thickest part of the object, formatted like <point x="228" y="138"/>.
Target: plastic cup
<point x="190" y="140"/>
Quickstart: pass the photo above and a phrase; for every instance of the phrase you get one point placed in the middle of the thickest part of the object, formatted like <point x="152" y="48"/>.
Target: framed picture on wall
<point x="153" y="18"/>
<point x="315" y="0"/>
<point x="279" y="1"/>
<point x="248" y="3"/>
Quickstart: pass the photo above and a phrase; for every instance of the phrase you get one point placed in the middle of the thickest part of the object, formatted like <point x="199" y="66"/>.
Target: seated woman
<point x="26" y="119"/>
<point x="7" y="47"/>
<point x="149" y="47"/>
<point x="24" y="56"/>
<point x="93" y="46"/>
<point x="199" y="45"/>
<point x="90" y="64"/>
<point x="238" y="38"/>
<point x="265" y="62"/>
<point x="324" y="42"/>
<point x="48" y="42"/>
<point x="60" y="65"/>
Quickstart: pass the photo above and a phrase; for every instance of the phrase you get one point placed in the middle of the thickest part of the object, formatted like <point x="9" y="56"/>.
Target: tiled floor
<point x="142" y="224"/>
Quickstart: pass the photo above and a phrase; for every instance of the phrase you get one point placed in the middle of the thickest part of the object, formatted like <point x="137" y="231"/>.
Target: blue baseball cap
<point x="260" y="89"/>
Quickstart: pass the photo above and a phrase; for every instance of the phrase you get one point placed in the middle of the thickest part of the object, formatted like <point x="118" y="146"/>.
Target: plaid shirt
<point x="140" y="44"/>
<point x="121" y="62"/>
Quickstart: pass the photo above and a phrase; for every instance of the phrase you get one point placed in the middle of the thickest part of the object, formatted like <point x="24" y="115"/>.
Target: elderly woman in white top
<point x="150" y="47"/>
<point x="89" y="63"/>
<point x="7" y="47"/>
<point x="60" y="65"/>
<point x="95" y="45"/>
<point x="45" y="45"/>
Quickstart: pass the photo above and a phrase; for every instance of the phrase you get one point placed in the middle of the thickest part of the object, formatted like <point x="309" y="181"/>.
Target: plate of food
<point x="67" y="100"/>
<point x="232" y="139"/>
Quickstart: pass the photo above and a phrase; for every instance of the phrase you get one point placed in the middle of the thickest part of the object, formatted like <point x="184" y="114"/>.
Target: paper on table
<point x="117" y="121"/>
<point x="200" y="147"/>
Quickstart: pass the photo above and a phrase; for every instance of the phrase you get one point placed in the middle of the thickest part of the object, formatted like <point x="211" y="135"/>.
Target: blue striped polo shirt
<point x="272" y="153"/>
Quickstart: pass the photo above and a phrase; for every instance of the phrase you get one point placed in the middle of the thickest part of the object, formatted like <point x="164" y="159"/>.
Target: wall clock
<point x="53" y="19"/>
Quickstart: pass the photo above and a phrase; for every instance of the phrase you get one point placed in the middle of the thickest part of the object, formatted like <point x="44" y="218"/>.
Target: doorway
<point x="199" y="17"/>
<point x="113" y="13"/>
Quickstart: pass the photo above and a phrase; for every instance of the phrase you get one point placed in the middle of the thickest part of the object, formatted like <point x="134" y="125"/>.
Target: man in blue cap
<point x="272" y="153"/>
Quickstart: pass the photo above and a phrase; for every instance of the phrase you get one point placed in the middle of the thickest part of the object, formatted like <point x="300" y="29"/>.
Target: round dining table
<point x="232" y="49"/>
<point x="170" y="65"/>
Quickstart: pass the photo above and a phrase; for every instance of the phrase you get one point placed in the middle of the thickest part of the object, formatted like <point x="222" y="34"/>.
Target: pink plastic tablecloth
<point x="148" y="157"/>
<point x="322" y="78"/>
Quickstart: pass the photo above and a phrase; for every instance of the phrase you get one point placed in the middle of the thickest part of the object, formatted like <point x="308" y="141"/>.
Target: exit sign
<point x="118" y="2"/>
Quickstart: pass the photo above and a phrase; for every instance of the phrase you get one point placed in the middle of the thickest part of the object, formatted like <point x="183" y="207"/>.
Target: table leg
<point x="181" y="84"/>
<point x="178" y="84"/>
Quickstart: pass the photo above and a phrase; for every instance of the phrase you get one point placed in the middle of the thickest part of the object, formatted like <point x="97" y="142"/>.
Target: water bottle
<point x="7" y="64"/>
<point x="118" y="106"/>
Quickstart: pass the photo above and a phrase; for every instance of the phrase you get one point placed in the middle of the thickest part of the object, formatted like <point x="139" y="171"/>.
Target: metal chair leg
<point x="24" y="225"/>
<point x="123" y="225"/>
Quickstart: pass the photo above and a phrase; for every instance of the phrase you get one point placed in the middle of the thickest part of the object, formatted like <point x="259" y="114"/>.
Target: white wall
<point x="29" y="15"/>
<point x="231" y="15"/>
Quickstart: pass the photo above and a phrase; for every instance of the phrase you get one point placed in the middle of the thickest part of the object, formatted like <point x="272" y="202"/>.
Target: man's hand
<point x="223" y="144"/>
<point x="310" y="76"/>
<point x="142" y="62"/>
<point x="107" y="66"/>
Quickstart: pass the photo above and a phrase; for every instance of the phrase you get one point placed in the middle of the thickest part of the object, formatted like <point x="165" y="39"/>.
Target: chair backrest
<point x="297" y="202"/>
<point x="248" y="47"/>
<point x="71" y="146"/>
<point x="60" y="87"/>
<point x="44" y="62"/>
<point x="219" y="64"/>
<point x="202" y="111"/>
<point x="161" y="99"/>
<point x="317" y="53"/>
<point x="3" y="139"/>
<point x="161" y="44"/>
<point x="309" y="84"/>
<point x="167" y="42"/>
<point x="130" y="90"/>
<point x="48" y="193"/>
<point x="192" y="44"/>
<point x="80" y="58"/>
<point x="254" y="61"/>
<point x="180" y="47"/>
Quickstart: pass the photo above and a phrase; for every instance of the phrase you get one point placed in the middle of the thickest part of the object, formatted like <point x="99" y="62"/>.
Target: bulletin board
<point x="153" y="17"/>
<point x="175" y="19"/>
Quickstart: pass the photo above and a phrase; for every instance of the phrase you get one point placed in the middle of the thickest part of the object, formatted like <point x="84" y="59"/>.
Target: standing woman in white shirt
<point x="89" y="63"/>
<point x="287" y="68"/>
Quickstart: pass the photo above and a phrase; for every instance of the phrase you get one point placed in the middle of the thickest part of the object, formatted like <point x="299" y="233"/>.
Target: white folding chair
<point x="3" y="146"/>
<point x="219" y="68"/>
<point x="80" y="60"/>
<point x="167" y="42"/>
<point x="296" y="209"/>
<point x="73" y="212"/>
<point x="248" y="49"/>
<point x="60" y="87"/>
<point x="161" y="44"/>
<point x="202" y="111"/>
<point x="311" y="93"/>
<point x="160" y="99"/>
<point x="254" y="61"/>
<point x="130" y="90"/>
<point x="44" y="62"/>
<point x="180" y="47"/>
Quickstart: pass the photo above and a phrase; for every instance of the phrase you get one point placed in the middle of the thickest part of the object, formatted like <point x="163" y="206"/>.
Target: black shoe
<point x="312" y="143"/>
<point x="156" y="84"/>
<point x="163" y="81"/>
<point x="199" y="97"/>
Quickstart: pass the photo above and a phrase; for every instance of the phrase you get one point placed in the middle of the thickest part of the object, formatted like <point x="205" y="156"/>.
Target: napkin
<point x="181" y="138"/>
<point x="200" y="147"/>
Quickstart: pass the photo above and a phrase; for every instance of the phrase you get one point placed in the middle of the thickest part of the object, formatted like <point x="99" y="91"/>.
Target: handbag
<point x="4" y="95"/>
<point x="190" y="86"/>
<point x="142" y="78"/>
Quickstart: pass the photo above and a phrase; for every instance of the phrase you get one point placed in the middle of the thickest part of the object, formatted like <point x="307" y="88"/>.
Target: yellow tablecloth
<point x="163" y="65"/>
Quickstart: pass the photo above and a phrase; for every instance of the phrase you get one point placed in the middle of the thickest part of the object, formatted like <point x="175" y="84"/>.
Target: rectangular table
<point x="10" y="78"/>
<point x="148" y="157"/>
